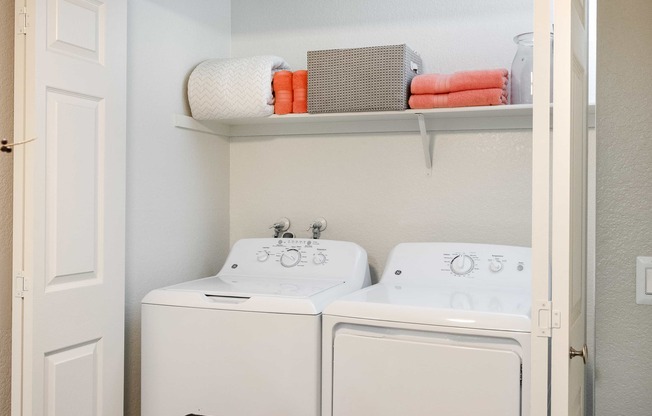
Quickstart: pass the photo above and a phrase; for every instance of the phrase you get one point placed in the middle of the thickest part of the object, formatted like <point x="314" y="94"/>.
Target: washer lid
<point x="302" y="296"/>
<point x="248" y="286"/>
<point x="466" y="306"/>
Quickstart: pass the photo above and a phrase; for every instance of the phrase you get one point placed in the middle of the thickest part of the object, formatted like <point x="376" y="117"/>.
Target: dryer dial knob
<point x="290" y="258"/>
<point x="462" y="264"/>
<point x="495" y="265"/>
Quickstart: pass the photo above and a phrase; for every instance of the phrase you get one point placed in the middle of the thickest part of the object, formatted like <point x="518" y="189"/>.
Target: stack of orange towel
<point x="461" y="89"/>
<point x="290" y="92"/>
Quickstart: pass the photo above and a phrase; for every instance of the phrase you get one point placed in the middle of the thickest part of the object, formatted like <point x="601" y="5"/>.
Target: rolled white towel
<point x="233" y="88"/>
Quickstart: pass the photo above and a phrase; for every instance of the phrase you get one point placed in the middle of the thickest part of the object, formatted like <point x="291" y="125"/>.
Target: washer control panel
<point x="295" y="253"/>
<point x="294" y="257"/>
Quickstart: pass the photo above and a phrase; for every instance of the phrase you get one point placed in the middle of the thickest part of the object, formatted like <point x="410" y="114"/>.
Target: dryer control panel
<point x="485" y="262"/>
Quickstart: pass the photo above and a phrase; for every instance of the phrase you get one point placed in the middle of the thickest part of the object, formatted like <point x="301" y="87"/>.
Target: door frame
<point x="541" y="215"/>
<point x="23" y="113"/>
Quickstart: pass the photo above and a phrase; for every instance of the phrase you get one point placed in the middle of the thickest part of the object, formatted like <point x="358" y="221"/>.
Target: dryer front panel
<point x="381" y="375"/>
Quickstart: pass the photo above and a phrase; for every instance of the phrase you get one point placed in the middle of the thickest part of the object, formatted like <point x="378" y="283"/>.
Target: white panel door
<point x="559" y="209"/>
<point x="541" y="184"/>
<point x="569" y="206"/>
<point x="68" y="348"/>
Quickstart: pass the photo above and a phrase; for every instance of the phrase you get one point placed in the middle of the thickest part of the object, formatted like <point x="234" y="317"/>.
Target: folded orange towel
<point x="282" y="84"/>
<point x="459" y="81"/>
<point x="492" y="96"/>
<point x="300" y="91"/>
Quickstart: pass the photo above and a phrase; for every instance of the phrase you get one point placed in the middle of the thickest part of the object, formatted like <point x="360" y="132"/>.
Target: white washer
<point x="445" y="332"/>
<point x="246" y="342"/>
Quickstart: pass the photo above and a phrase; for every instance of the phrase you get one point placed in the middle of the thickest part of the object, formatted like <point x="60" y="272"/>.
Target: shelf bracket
<point x="189" y="123"/>
<point x="426" y="141"/>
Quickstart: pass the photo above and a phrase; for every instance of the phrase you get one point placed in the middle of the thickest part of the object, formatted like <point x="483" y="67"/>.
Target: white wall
<point x="373" y="189"/>
<point x="177" y="181"/>
<point x="6" y="200"/>
<point x="624" y="207"/>
<point x="450" y="35"/>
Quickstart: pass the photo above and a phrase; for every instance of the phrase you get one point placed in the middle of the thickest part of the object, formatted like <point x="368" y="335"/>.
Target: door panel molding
<point x="73" y="380"/>
<point x="77" y="28"/>
<point x="74" y="231"/>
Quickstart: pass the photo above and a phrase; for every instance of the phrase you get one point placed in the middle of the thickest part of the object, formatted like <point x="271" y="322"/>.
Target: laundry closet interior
<point x="191" y="194"/>
<point x="195" y="188"/>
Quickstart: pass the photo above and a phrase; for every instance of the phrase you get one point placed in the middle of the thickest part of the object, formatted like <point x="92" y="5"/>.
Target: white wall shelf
<point x="423" y="122"/>
<point x="506" y="117"/>
<point x="449" y="119"/>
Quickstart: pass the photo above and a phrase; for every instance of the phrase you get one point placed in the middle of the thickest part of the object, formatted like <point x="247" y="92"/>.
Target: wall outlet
<point x="644" y="280"/>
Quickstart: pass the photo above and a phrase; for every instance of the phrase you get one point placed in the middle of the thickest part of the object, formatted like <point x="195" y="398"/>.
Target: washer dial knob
<point x="462" y="264"/>
<point x="290" y="258"/>
<point x="262" y="256"/>
<point x="319" y="258"/>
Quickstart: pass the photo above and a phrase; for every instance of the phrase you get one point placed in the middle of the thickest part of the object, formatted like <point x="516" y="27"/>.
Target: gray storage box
<point x="375" y="78"/>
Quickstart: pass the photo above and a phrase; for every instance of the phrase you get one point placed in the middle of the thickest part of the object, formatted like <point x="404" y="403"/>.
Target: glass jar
<point x="521" y="74"/>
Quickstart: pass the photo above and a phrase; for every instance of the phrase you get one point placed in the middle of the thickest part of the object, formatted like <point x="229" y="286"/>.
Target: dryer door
<point x="383" y="376"/>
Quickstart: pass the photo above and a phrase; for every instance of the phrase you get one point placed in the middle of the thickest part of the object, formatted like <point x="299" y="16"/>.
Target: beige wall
<point x="624" y="207"/>
<point x="374" y="189"/>
<point x="6" y="187"/>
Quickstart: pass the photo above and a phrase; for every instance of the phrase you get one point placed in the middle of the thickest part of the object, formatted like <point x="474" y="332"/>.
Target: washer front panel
<point x="221" y="362"/>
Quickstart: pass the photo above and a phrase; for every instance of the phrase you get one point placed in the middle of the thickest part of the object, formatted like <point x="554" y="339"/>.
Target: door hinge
<point x="21" y="285"/>
<point x="23" y="21"/>
<point x="546" y="318"/>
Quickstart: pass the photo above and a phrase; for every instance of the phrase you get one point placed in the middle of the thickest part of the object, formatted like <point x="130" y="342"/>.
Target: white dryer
<point x="246" y="342"/>
<point x="445" y="332"/>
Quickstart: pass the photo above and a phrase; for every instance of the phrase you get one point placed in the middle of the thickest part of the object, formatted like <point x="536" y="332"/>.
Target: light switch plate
<point x="644" y="280"/>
